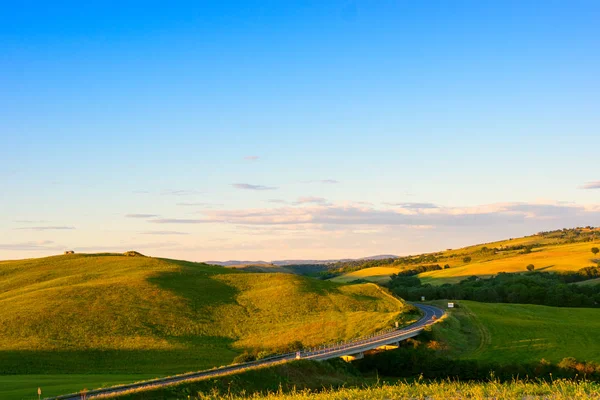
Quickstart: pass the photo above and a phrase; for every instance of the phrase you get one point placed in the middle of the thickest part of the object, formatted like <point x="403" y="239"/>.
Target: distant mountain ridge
<point x="297" y="262"/>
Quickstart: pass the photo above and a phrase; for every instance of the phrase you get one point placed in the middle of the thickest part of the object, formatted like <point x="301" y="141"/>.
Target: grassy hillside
<point x="112" y="314"/>
<point x="589" y="282"/>
<point x="514" y="333"/>
<point x="563" y="250"/>
<point x="373" y="274"/>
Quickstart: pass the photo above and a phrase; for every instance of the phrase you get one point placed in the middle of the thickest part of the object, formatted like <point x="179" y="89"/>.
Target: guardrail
<point x="313" y="352"/>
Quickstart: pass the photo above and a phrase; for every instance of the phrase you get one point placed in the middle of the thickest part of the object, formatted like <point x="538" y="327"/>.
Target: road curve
<point x="431" y="315"/>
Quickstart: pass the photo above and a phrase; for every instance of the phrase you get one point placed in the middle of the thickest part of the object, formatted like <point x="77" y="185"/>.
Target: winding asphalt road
<point x="431" y="315"/>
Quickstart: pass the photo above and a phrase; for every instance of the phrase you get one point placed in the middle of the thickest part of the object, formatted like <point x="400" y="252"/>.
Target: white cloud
<point x="413" y="206"/>
<point x="47" y="228"/>
<point x="482" y="216"/>
<point x="141" y="216"/>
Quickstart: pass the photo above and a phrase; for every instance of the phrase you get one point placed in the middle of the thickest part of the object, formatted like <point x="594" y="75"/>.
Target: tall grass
<point x="556" y="390"/>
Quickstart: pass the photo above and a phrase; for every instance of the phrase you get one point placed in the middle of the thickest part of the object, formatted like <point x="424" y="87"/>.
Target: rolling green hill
<point x="492" y="334"/>
<point x="113" y="314"/>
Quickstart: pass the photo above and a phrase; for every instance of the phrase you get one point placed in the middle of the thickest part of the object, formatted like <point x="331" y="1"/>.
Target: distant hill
<point x="236" y="262"/>
<point x="297" y="262"/>
<point x="553" y="251"/>
<point x="110" y="313"/>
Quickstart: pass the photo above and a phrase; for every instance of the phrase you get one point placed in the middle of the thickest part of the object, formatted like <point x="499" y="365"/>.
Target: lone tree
<point x="595" y="250"/>
<point x="467" y="259"/>
<point x="530" y="267"/>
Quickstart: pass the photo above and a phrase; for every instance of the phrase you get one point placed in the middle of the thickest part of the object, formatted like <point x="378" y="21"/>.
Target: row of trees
<point x="420" y="269"/>
<point x="552" y="289"/>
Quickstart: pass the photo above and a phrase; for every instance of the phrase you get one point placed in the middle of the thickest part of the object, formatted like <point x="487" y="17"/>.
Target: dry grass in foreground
<point x="557" y="390"/>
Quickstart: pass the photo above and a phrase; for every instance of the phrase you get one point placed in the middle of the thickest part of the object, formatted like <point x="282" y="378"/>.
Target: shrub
<point x="132" y="253"/>
<point x="244" y="357"/>
<point x="530" y="267"/>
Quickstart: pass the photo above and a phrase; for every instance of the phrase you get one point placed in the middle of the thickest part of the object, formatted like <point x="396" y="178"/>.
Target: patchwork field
<point x="112" y="314"/>
<point x="563" y="250"/>
<point x="515" y="333"/>
<point x="567" y="257"/>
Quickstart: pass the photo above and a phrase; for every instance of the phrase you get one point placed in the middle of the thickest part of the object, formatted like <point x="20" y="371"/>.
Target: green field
<point x="516" y="333"/>
<point x="123" y="316"/>
<point x="25" y="386"/>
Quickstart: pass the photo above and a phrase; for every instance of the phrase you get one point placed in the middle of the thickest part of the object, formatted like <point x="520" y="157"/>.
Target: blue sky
<point x="272" y="129"/>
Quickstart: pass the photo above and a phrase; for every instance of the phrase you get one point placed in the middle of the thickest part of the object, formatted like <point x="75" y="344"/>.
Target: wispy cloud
<point x="311" y="200"/>
<point x="180" y="221"/>
<point x="484" y="215"/>
<point x="251" y="158"/>
<point x="141" y="216"/>
<point x="277" y="201"/>
<point x="247" y="186"/>
<point x="47" y="228"/>
<point x="591" y="185"/>
<point x="164" y="233"/>
<point x="413" y="206"/>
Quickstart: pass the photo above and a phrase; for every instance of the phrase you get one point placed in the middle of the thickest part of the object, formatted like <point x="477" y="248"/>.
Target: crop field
<point x="514" y="333"/>
<point x="569" y="257"/>
<point x="373" y="274"/>
<point x="551" y="253"/>
<point x="116" y="315"/>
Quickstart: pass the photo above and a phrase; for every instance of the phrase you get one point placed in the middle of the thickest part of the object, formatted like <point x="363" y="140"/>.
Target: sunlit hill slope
<point x="110" y="312"/>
